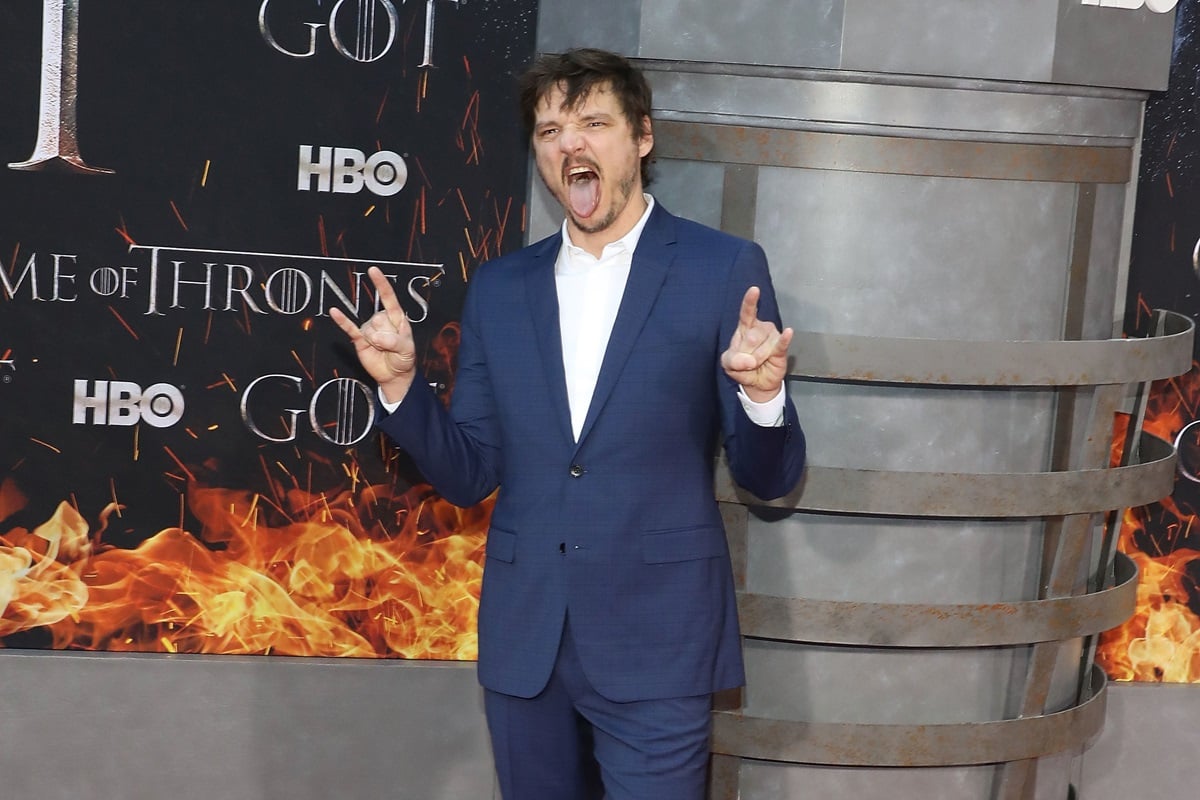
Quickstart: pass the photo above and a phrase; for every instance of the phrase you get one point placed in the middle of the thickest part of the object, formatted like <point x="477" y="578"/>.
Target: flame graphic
<point x="1161" y="642"/>
<point x="323" y="579"/>
<point x="37" y="584"/>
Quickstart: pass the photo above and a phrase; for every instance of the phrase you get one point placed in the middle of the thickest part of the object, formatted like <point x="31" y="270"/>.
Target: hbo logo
<point x="345" y="170"/>
<point x="125" y="403"/>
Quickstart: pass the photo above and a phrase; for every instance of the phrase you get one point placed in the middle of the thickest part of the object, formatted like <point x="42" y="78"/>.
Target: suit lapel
<point x="543" y="301"/>
<point x="651" y="262"/>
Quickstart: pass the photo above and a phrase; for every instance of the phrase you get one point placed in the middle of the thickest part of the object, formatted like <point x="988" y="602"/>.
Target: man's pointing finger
<point x="749" y="313"/>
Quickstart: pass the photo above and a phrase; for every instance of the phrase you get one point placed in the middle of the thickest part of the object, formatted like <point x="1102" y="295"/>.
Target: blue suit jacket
<point x="621" y="528"/>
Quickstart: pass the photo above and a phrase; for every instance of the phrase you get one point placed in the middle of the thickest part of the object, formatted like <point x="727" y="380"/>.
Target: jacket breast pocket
<point x="501" y="545"/>
<point x="683" y="544"/>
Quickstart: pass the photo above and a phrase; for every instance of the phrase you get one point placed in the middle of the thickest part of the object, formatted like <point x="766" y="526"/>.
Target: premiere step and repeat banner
<point x="187" y="454"/>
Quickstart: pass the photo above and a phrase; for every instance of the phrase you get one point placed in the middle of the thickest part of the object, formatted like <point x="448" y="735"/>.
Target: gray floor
<point x="1149" y="744"/>
<point x="77" y="726"/>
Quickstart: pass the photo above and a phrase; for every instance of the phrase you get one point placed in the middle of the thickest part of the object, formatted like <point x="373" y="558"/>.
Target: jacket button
<point x="576" y="470"/>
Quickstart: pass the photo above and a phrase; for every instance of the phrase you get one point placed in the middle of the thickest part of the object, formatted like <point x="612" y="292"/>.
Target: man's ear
<point x="646" y="141"/>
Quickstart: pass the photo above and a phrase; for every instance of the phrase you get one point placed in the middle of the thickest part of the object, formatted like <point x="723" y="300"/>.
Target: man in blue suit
<point x="598" y="371"/>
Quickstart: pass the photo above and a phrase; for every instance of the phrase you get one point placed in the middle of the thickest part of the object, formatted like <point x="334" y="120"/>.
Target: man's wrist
<point x="392" y="393"/>
<point x="760" y="396"/>
<point x="768" y="414"/>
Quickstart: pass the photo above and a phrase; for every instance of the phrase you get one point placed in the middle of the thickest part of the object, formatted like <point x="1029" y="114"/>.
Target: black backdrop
<point x="201" y="117"/>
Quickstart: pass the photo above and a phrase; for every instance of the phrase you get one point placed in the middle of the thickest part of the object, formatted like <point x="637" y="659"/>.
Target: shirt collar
<point x="627" y="243"/>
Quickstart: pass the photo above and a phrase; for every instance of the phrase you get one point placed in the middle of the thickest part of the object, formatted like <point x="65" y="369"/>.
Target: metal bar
<point x="793" y="73"/>
<point x="1130" y="451"/>
<point x="911" y="745"/>
<point x="972" y="495"/>
<point x="739" y="200"/>
<point x="920" y="625"/>
<point x="940" y="362"/>
<point x="892" y="155"/>
<point x="1067" y="398"/>
<point x="724" y="777"/>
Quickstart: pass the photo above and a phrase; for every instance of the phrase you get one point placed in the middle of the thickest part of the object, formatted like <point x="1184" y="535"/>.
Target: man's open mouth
<point x="583" y="191"/>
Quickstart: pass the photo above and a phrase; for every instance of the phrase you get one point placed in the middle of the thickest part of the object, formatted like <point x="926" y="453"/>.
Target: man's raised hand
<point x="384" y="344"/>
<point x="757" y="354"/>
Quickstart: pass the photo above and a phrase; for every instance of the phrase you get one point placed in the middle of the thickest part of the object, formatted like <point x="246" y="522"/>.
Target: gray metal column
<point x="944" y="191"/>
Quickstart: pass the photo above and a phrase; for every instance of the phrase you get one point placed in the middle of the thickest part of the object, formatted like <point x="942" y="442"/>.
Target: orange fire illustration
<point x="318" y="577"/>
<point x="37" y="584"/>
<point x="1161" y="642"/>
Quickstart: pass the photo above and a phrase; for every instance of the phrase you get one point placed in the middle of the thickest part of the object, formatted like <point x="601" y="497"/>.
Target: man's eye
<point x="546" y="133"/>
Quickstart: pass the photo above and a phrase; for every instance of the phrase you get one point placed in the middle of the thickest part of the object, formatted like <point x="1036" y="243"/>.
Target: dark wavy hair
<point x="579" y="72"/>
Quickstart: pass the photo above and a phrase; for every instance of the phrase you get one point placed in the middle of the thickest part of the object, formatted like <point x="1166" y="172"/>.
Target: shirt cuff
<point x="391" y="407"/>
<point x="768" y="414"/>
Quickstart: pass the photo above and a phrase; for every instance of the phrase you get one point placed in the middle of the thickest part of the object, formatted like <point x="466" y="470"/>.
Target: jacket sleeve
<point x="457" y="450"/>
<point x="766" y="461"/>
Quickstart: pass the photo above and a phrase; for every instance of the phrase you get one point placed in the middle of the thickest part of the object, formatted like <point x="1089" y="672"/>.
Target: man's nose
<point x="570" y="141"/>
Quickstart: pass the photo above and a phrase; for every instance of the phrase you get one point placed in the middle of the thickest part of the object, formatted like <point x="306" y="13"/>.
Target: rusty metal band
<point x="913" y="745"/>
<point x="825" y="356"/>
<point x="893" y="155"/>
<point x="845" y="622"/>
<point x="973" y="495"/>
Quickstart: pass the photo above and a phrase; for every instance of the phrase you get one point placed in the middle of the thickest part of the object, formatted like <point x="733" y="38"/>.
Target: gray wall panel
<point x="694" y="189"/>
<point x="1105" y="281"/>
<point x="827" y="557"/>
<point x="924" y="430"/>
<point x="77" y="726"/>
<point x="787" y="32"/>
<point x="819" y="682"/>
<point x="965" y="259"/>
<point x="613" y="25"/>
<point x="1099" y="46"/>
<point x="966" y="38"/>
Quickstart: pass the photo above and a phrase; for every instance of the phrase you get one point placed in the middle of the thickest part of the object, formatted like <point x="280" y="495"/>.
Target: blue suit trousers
<point x="571" y="743"/>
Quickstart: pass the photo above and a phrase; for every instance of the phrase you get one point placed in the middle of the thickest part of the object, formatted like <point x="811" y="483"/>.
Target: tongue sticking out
<point x="583" y="194"/>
